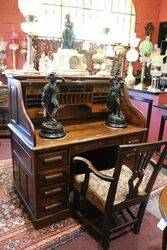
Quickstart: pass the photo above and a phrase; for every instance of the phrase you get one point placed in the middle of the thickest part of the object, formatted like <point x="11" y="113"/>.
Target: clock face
<point x="74" y="62"/>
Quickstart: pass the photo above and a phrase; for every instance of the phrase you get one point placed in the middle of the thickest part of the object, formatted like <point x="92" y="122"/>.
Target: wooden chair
<point x="118" y="189"/>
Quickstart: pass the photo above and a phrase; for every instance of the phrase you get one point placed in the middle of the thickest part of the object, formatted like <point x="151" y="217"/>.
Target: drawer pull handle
<point x="54" y="191"/>
<point x="130" y="155"/>
<point x="133" y="141"/>
<point x="53" y="206"/>
<point x="53" y="159"/>
<point x="53" y="176"/>
<point x="40" y="113"/>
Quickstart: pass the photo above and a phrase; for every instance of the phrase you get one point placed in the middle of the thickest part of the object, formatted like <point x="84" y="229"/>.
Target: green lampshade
<point x="146" y="47"/>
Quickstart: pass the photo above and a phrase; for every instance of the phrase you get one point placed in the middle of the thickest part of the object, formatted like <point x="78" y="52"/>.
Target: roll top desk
<point x="41" y="167"/>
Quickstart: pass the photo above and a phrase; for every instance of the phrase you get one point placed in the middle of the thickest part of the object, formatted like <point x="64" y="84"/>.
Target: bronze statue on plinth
<point x="68" y="36"/>
<point x="51" y="129"/>
<point x="116" y="119"/>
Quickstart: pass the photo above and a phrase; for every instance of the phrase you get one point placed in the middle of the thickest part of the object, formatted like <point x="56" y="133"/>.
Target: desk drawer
<point x="52" y="206"/>
<point x="59" y="190"/>
<point x="53" y="177"/>
<point x="83" y="147"/>
<point x="134" y="138"/>
<point x="52" y="160"/>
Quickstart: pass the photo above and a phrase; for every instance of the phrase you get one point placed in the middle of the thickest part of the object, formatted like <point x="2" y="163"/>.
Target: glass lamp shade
<point x="132" y="55"/>
<point x="146" y="47"/>
<point x="134" y="42"/>
<point x="29" y="27"/>
<point x="29" y="7"/>
<point x="110" y="51"/>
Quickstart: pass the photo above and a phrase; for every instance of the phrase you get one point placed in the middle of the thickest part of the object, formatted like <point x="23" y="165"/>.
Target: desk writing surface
<point x="86" y="132"/>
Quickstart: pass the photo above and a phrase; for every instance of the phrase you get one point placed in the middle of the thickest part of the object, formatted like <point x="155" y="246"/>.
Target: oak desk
<point x="42" y="169"/>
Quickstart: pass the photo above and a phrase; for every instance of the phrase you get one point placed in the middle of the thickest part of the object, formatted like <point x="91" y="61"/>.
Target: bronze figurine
<point x="68" y="35"/>
<point x="51" y="129"/>
<point x="116" y="119"/>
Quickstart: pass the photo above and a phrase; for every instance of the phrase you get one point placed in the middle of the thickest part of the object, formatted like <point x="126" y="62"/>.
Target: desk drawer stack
<point x="53" y="183"/>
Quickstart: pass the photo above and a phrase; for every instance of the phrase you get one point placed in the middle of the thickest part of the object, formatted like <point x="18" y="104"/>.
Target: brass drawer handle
<point x="54" y="191"/>
<point x="134" y="141"/>
<point x="130" y="155"/>
<point x="53" y="159"/>
<point x="53" y="176"/>
<point x="53" y="206"/>
<point x="40" y="113"/>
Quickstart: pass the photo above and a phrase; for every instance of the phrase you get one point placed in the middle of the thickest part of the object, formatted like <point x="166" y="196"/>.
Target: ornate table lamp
<point x="132" y="56"/>
<point x="30" y="10"/>
<point x="13" y="46"/>
<point x="156" y="69"/>
<point x="145" y="48"/>
<point x="51" y="129"/>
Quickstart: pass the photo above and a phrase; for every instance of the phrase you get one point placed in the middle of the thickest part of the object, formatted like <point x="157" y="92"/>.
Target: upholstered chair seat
<point x="98" y="189"/>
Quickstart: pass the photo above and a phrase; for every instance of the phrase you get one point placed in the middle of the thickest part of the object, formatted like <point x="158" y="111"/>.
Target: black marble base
<point x="52" y="130"/>
<point x="115" y="122"/>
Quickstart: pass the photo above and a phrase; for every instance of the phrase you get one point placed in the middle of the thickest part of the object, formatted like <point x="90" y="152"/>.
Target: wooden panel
<point x="16" y="172"/>
<point x="23" y="183"/>
<point x="22" y="155"/>
<point x="30" y="197"/>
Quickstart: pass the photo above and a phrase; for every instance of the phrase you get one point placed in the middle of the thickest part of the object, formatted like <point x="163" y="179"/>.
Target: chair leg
<point x="76" y="202"/>
<point x="140" y="215"/>
<point x="106" y="233"/>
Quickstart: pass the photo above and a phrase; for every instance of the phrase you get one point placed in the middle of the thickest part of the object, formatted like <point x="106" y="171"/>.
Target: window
<point x="107" y="21"/>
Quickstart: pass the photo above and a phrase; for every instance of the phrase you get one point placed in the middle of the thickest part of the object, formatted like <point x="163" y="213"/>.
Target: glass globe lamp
<point x="132" y="56"/>
<point x="145" y="48"/>
<point x="30" y="10"/>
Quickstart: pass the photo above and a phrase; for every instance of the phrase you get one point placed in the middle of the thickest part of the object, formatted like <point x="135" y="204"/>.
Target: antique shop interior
<point x="83" y="124"/>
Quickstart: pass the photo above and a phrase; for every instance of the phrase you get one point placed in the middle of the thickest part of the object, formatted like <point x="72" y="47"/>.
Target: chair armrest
<point x="91" y="168"/>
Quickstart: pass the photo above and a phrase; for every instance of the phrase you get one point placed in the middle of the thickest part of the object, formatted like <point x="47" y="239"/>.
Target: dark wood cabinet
<point x="4" y="111"/>
<point x="42" y="167"/>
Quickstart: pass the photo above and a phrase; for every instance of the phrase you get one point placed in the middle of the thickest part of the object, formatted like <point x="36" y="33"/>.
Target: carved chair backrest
<point x="142" y="154"/>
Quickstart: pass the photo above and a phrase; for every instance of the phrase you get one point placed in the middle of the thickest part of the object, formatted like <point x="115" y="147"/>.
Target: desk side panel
<point x="20" y="123"/>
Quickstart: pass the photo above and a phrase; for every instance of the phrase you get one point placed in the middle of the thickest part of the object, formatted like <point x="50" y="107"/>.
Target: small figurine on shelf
<point x="51" y="129"/>
<point x="68" y="35"/>
<point x="116" y="119"/>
